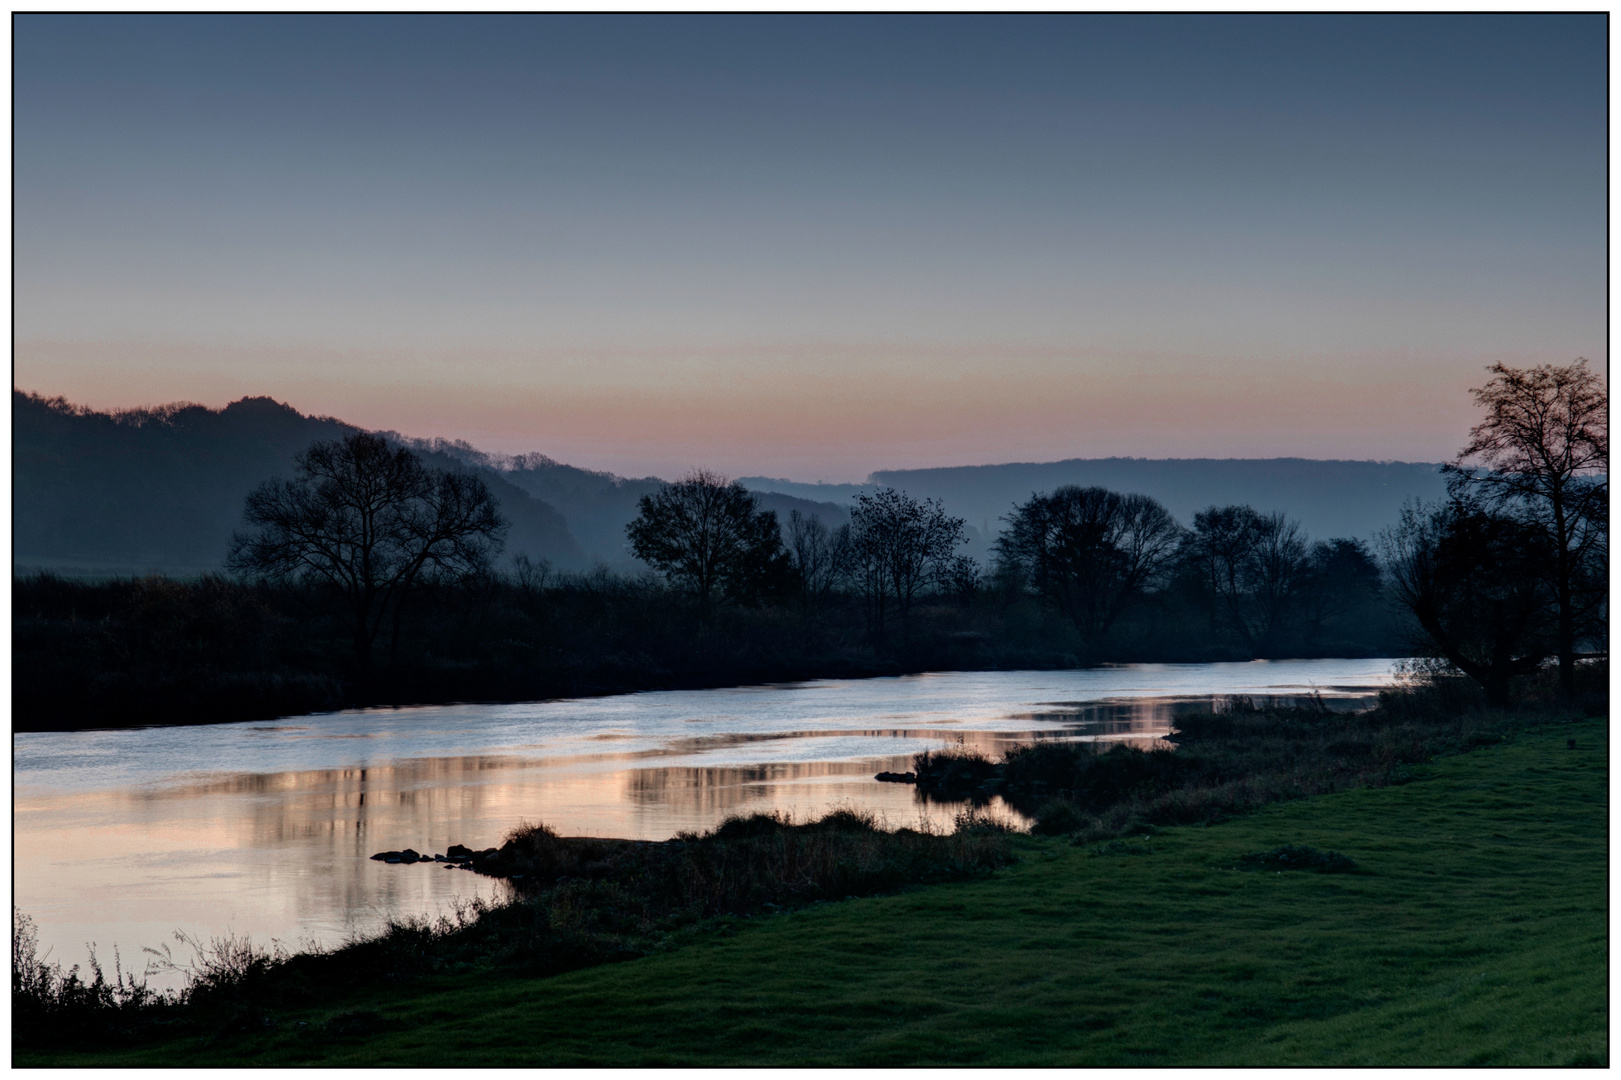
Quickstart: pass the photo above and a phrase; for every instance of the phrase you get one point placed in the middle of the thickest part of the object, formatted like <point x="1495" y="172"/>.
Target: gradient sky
<point x="815" y="246"/>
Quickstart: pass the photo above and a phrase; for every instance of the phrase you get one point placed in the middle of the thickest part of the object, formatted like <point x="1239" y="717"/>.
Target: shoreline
<point x="1162" y="945"/>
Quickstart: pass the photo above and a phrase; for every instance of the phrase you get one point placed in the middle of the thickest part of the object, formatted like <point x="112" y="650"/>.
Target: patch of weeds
<point x="358" y="1023"/>
<point x="1120" y="847"/>
<point x="1299" y="857"/>
<point x="1057" y="817"/>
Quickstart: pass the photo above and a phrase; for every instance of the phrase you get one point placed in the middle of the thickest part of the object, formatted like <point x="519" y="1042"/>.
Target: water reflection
<point x="266" y="829"/>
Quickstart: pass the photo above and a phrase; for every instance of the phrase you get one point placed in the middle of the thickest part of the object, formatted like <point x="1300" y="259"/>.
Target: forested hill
<point x="162" y="489"/>
<point x="1329" y="498"/>
<point x="598" y="505"/>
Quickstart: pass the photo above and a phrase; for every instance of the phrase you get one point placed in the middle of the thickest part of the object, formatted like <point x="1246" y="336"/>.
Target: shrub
<point x="1059" y="816"/>
<point x="1299" y="857"/>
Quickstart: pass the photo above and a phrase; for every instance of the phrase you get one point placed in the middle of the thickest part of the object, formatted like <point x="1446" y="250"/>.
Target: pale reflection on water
<point x="123" y="837"/>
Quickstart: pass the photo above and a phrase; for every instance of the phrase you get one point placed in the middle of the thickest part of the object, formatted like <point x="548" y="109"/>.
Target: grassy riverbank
<point x="1474" y="933"/>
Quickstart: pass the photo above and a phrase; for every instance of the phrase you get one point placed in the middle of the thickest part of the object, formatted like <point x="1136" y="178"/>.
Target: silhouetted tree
<point x="1543" y="456"/>
<point x="1253" y="567"/>
<point x="899" y="546"/>
<point x="1340" y="576"/>
<point x="1091" y="552"/>
<point x="1278" y="578"/>
<point x="370" y="521"/>
<point x="709" y="535"/>
<point x="960" y="579"/>
<point x="1468" y="575"/>
<point x="820" y="557"/>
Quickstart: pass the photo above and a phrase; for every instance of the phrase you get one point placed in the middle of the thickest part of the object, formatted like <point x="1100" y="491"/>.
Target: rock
<point x="897" y="777"/>
<point x="457" y="851"/>
<point x="385" y="855"/>
<point x="394" y="857"/>
<point x="409" y="856"/>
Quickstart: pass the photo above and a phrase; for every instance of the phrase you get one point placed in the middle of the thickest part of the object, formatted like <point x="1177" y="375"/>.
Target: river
<point x="122" y="838"/>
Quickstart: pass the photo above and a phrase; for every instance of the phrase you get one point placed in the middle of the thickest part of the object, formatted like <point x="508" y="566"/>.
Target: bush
<point x="1057" y="817"/>
<point x="1299" y="857"/>
<point x="955" y="774"/>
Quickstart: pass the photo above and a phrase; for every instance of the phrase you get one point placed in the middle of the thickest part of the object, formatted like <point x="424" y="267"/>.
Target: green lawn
<point x="1476" y="934"/>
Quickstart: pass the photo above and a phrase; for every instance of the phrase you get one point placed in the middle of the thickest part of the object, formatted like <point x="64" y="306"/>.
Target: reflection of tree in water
<point x="1152" y="718"/>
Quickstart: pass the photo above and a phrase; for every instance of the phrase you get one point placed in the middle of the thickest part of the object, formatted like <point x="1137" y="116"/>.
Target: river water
<point x="122" y="838"/>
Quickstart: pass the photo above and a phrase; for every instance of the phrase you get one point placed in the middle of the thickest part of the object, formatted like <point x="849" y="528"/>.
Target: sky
<point x="815" y="246"/>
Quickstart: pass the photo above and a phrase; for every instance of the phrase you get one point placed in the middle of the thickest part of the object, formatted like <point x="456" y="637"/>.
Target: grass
<point x="1229" y="762"/>
<point x="1473" y="931"/>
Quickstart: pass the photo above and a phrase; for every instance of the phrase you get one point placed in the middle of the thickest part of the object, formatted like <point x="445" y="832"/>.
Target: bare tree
<point x="960" y="578"/>
<point x="709" y="535"/>
<point x="371" y="521"/>
<point x="1091" y="552"/>
<point x="899" y="546"/>
<point x="820" y="557"/>
<point x="1542" y="453"/>
<point x="1278" y="576"/>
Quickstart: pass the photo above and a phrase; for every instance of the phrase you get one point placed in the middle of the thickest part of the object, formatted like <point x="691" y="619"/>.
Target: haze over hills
<point x="162" y="489"/>
<point x="1329" y="498"/>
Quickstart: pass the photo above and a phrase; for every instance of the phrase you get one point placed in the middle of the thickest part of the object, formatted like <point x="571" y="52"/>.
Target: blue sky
<point x="816" y="245"/>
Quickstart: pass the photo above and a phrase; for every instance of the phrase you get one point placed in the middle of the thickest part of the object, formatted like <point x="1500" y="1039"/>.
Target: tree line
<point x="370" y="554"/>
<point x="1091" y="554"/>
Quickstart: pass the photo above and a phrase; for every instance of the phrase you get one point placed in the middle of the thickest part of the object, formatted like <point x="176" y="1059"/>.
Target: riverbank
<point x="1473" y="933"/>
<point x="125" y="653"/>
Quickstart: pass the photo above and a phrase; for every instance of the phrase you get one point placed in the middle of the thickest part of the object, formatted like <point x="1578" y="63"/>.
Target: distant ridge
<point x="162" y="488"/>
<point x="1330" y="498"/>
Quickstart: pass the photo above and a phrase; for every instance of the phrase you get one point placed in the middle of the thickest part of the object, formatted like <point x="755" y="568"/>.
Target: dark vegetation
<point x="1513" y="567"/>
<point x="156" y="650"/>
<point x="575" y="902"/>
<point x="1230" y="762"/>
<point x="1299" y="857"/>
<point x="320" y="620"/>
<point x="385" y="581"/>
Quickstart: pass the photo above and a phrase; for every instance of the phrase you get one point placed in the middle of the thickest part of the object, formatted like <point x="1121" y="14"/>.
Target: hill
<point x="1330" y="498"/>
<point x="598" y="505"/>
<point x="162" y="489"/>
